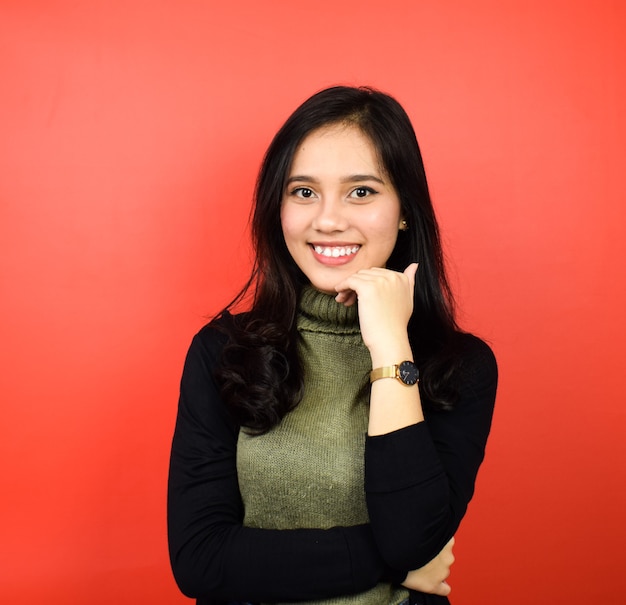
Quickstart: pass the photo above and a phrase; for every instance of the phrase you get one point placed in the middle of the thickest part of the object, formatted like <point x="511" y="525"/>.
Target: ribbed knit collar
<point x="320" y="312"/>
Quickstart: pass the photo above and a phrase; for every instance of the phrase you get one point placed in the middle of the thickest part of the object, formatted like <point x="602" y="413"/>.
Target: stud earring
<point x="404" y="226"/>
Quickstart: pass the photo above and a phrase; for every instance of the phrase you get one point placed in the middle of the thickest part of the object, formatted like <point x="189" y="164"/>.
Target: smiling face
<point x="340" y="213"/>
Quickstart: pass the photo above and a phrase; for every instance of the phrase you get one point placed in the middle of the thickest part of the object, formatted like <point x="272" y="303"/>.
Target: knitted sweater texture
<point x="308" y="471"/>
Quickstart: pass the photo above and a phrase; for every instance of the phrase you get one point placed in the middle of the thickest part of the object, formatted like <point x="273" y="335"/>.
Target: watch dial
<point x="409" y="373"/>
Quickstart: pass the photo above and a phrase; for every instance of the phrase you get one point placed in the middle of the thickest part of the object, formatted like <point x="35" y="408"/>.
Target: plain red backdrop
<point x="130" y="136"/>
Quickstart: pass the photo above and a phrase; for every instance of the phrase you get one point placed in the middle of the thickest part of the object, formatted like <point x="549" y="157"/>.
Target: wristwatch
<point x="406" y="372"/>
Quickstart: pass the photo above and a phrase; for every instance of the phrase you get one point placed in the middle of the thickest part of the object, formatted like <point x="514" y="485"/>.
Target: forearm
<point x="408" y="496"/>
<point x="420" y="479"/>
<point x="270" y="565"/>
<point x="385" y="306"/>
<point x="214" y="555"/>
<point x="406" y="487"/>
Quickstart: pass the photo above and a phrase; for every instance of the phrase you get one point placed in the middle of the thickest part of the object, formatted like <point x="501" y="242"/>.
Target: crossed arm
<point x="213" y="555"/>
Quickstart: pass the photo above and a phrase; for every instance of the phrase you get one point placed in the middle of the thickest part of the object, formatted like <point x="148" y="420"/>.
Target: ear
<point x="403" y="226"/>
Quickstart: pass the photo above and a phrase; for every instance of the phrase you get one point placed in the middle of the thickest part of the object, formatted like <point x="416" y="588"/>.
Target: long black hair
<point x="260" y="374"/>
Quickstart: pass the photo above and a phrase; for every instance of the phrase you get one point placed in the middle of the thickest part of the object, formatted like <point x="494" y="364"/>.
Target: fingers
<point x="450" y="544"/>
<point x="431" y="578"/>
<point x="447" y="551"/>
<point x="374" y="274"/>
<point x="410" y="272"/>
<point x="428" y="585"/>
<point x="346" y="297"/>
<point x="385" y="300"/>
<point x="441" y="588"/>
<point x="444" y="589"/>
<point x="361" y="277"/>
<point x="348" y="289"/>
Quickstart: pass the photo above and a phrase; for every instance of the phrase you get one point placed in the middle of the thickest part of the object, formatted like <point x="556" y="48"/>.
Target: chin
<point x="326" y="285"/>
<point x="325" y="288"/>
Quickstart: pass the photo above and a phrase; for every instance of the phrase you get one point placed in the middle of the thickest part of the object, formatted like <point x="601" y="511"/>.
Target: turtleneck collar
<point x="320" y="312"/>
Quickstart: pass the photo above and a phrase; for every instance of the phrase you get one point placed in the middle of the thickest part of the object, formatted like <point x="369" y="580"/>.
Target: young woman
<point x="328" y="439"/>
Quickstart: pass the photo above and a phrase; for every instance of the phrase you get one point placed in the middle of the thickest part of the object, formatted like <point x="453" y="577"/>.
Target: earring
<point x="404" y="226"/>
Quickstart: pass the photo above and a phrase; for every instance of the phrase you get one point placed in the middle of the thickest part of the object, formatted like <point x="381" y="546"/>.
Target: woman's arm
<point x="385" y="307"/>
<point x="431" y="578"/>
<point x="420" y="479"/>
<point x="212" y="554"/>
<point x="420" y="468"/>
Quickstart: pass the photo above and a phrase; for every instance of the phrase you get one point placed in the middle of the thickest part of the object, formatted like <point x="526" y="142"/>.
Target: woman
<point x="328" y="440"/>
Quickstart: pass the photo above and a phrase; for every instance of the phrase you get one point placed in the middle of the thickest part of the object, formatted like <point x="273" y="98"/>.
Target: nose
<point x="330" y="216"/>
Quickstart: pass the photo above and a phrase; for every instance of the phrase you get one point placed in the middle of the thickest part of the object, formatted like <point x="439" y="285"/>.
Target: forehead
<point x="336" y="148"/>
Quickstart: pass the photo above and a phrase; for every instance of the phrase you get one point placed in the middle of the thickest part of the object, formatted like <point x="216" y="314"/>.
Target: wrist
<point x="406" y="372"/>
<point x="390" y="355"/>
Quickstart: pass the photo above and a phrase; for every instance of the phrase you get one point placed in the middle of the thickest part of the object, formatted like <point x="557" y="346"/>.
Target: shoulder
<point x="213" y="336"/>
<point x="477" y="369"/>
<point x="208" y="344"/>
<point x="200" y="392"/>
<point x="475" y="354"/>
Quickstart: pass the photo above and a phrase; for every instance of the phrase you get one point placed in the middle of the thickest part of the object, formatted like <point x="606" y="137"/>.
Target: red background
<point x="130" y="136"/>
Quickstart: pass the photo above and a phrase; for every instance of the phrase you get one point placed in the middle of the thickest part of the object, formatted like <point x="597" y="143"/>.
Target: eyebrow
<point x="353" y="178"/>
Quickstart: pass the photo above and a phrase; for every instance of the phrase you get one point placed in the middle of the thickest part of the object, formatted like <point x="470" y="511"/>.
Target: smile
<point x="336" y="251"/>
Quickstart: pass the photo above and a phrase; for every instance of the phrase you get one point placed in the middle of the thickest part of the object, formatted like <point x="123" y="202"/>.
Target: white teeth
<point x="337" y="251"/>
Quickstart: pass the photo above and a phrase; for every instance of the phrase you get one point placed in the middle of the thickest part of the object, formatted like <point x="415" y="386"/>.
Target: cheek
<point x="293" y="225"/>
<point x="383" y="234"/>
<point x="388" y="243"/>
<point x="383" y="228"/>
<point x="286" y="222"/>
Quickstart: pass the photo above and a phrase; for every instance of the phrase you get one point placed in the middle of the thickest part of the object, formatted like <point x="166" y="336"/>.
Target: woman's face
<point x="340" y="213"/>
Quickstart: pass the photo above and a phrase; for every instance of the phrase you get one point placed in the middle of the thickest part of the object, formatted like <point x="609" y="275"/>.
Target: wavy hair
<point x="260" y="375"/>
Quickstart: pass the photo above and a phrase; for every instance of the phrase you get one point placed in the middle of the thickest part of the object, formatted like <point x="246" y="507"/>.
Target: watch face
<point x="408" y="372"/>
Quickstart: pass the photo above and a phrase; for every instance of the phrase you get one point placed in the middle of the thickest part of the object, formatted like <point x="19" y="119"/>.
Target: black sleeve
<point x="212" y="554"/>
<point x="420" y="479"/>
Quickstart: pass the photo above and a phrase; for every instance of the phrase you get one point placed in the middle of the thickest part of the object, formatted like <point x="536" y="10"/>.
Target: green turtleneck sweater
<point x="308" y="472"/>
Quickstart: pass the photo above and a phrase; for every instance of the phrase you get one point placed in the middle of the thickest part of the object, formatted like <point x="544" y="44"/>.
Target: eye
<point x="303" y="192"/>
<point x="361" y="192"/>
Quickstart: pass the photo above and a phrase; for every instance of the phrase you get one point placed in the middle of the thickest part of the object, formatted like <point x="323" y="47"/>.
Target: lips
<point x="336" y="251"/>
<point x="333" y="256"/>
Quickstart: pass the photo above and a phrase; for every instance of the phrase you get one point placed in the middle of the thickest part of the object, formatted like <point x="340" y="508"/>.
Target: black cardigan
<point x="418" y="482"/>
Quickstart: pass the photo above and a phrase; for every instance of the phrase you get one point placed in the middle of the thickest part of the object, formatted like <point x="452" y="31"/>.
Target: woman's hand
<point x="431" y="578"/>
<point x="385" y="305"/>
